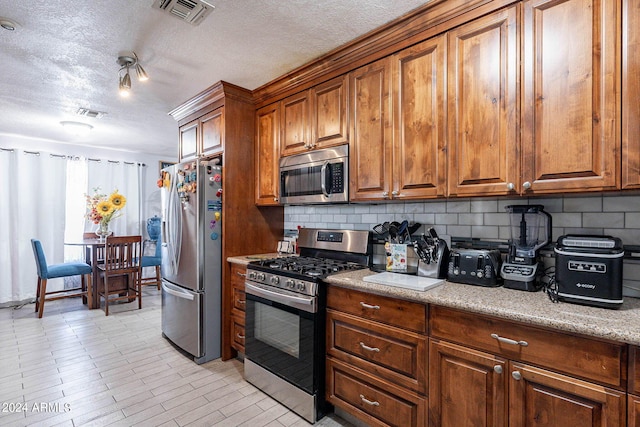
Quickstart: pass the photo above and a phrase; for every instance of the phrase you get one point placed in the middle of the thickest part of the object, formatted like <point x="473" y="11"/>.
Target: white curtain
<point x="33" y="206"/>
<point x="126" y="178"/>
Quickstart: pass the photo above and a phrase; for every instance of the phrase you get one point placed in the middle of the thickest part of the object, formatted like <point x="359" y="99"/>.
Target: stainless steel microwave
<point x="319" y="176"/>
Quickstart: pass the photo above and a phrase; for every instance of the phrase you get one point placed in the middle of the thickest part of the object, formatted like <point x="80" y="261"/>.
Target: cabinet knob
<point x="275" y="199"/>
<point x="385" y="194"/>
<point x="497" y="369"/>
<point x="395" y="193"/>
<point x="516" y="375"/>
<point x="511" y="186"/>
<point x="526" y="185"/>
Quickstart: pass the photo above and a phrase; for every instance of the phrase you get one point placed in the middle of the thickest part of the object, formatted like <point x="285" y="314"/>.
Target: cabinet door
<point x="267" y="155"/>
<point x="540" y="397"/>
<point x="370" y="147"/>
<point x="570" y="135"/>
<point x="295" y="124"/>
<point x="419" y="165"/>
<point x="466" y="387"/>
<point x="189" y="140"/>
<point x="633" y="417"/>
<point x="482" y="88"/>
<point x="329" y="108"/>
<point x="212" y="125"/>
<point x="630" y="94"/>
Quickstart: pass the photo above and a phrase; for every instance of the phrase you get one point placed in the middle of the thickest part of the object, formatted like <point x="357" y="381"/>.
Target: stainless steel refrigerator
<point x="192" y="257"/>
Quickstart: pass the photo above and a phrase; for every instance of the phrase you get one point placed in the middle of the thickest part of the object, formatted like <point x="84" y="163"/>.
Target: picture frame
<point x="163" y="164"/>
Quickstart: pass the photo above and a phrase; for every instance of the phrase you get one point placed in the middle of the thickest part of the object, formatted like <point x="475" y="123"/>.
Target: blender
<point x="530" y="230"/>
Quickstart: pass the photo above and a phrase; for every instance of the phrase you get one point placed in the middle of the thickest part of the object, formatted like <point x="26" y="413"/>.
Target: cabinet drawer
<point x="388" y="352"/>
<point x="238" y="332"/>
<point x="376" y="402"/>
<point x="239" y="301"/>
<point x="404" y="314"/>
<point x="238" y="274"/>
<point x="588" y="358"/>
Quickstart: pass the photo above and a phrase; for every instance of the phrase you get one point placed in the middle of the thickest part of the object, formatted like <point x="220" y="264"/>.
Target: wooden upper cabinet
<point x="267" y="155"/>
<point x="630" y="94"/>
<point x="419" y="152"/>
<point x="570" y="130"/>
<point x="189" y="135"/>
<point x="329" y="112"/>
<point x="315" y="118"/>
<point x="295" y="124"/>
<point x="212" y="129"/>
<point x="482" y="106"/>
<point x="370" y="131"/>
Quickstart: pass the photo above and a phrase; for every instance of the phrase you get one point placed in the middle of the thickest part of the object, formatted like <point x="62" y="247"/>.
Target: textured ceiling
<point x="63" y="56"/>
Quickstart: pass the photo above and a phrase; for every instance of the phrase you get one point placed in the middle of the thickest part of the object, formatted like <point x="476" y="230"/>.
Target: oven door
<point x="281" y="337"/>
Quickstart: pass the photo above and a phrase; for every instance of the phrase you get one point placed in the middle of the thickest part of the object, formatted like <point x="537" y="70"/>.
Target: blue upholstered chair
<point x="67" y="269"/>
<point x="153" y="261"/>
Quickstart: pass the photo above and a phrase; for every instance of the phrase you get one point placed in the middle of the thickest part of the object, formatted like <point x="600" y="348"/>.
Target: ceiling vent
<point x="85" y="112"/>
<point x="191" y="11"/>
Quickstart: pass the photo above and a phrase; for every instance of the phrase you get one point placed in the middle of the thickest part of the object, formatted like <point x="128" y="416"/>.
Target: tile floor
<point x="76" y="367"/>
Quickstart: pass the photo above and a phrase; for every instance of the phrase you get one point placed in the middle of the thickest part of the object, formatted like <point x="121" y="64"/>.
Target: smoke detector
<point x="191" y="11"/>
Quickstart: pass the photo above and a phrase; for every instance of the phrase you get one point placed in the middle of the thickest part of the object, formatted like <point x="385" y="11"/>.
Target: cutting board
<point x="416" y="283"/>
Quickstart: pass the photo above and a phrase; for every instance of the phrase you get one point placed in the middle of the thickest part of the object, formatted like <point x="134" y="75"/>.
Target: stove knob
<point x="290" y="284"/>
<point x="301" y="286"/>
<point x="261" y="277"/>
<point x="275" y="280"/>
<point x="252" y="275"/>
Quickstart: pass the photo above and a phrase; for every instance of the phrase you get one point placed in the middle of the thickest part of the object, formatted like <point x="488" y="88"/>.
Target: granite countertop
<point x="534" y="308"/>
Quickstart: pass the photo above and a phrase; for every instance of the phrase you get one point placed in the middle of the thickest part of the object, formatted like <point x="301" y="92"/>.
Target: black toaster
<point x="475" y="266"/>
<point x="589" y="270"/>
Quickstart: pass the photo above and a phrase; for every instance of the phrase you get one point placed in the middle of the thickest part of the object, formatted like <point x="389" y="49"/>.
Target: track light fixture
<point x="126" y="62"/>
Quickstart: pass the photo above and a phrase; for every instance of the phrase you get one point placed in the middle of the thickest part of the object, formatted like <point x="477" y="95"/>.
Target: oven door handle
<point x="304" y="304"/>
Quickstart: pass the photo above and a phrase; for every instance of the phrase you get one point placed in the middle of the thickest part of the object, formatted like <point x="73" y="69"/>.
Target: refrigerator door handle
<point x="177" y="293"/>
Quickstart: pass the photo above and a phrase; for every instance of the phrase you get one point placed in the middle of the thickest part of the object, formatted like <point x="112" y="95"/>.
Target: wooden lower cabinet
<point x="466" y="387"/>
<point x="473" y="388"/>
<point x="633" y="417"/>
<point x="238" y="302"/>
<point x="377" y="357"/>
<point x="374" y="401"/>
<point x="540" y="397"/>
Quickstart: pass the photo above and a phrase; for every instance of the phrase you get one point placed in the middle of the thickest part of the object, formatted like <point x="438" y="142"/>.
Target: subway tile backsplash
<point x="616" y="215"/>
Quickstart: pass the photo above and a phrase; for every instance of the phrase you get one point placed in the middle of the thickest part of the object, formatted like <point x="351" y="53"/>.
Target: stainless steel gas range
<point x="285" y="316"/>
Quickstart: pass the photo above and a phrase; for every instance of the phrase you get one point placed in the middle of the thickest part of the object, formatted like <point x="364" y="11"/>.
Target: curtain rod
<point x="62" y="156"/>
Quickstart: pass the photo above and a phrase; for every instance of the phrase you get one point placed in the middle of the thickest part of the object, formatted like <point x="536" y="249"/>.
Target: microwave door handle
<point x="323" y="179"/>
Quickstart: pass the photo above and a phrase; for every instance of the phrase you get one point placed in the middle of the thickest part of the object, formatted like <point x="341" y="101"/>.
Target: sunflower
<point x="104" y="208"/>
<point x="117" y="200"/>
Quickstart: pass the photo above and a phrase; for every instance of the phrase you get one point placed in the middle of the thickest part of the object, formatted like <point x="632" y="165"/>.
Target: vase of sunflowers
<point x="103" y="208"/>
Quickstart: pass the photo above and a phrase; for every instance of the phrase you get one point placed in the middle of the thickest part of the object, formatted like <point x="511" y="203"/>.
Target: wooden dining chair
<point x="121" y="270"/>
<point x="67" y="269"/>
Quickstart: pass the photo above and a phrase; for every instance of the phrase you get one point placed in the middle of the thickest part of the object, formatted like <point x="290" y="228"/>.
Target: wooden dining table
<point x="91" y="247"/>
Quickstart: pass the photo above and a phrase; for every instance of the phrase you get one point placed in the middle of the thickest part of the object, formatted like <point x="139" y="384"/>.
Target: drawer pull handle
<point x="373" y="307"/>
<point x="366" y="347"/>
<point x="241" y="274"/>
<point x="509" y="340"/>
<point x="368" y="402"/>
<point x="241" y="301"/>
<point x="240" y="336"/>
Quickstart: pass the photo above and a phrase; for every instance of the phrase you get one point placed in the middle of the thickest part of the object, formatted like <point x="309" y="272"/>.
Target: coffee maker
<point x="530" y="230"/>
